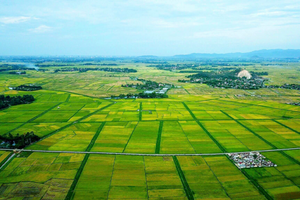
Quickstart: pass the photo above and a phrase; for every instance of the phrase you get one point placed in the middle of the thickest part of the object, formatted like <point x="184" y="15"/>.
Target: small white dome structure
<point x="244" y="73"/>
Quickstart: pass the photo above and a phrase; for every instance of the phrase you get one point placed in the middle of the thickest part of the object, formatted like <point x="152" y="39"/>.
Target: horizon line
<point x="144" y="55"/>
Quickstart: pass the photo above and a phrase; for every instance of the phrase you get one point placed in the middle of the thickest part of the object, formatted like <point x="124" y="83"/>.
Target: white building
<point x="244" y="73"/>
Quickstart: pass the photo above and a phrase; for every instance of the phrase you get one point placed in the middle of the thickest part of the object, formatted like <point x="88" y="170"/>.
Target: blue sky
<point x="146" y="27"/>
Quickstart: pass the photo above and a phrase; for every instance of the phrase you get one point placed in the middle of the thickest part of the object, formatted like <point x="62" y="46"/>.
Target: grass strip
<point x="76" y="112"/>
<point x="68" y="125"/>
<point x="140" y="113"/>
<point x="206" y="131"/>
<point x="78" y="174"/>
<point x="248" y="129"/>
<point x="186" y="91"/>
<point x="130" y="137"/>
<point x="257" y="185"/>
<point x="290" y="157"/>
<point x="70" y="194"/>
<point x="188" y="109"/>
<point x="185" y="184"/>
<point x="50" y="134"/>
<point x="68" y="98"/>
<point x="5" y="160"/>
<point x="112" y="175"/>
<point x="95" y="137"/>
<point x="258" y="105"/>
<point x="83" y="118"/>
<point x="253" y="181"/>
<point x="216" y="177"/>
<point x="211" y="137"/>
<point x="266" y="141"/>
<point x="158" y="140"/>
<point x="285" y="126"/>
<point x="34" y="118"/>
<point x="30" y="120"/>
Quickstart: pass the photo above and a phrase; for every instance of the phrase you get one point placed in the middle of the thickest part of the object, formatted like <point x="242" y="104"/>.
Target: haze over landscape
<point x="146" y="27"/>
<point x="150" y="100"/>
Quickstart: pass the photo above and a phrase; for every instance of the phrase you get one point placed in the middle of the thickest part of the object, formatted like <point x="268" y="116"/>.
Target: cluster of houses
<point x="150" y="87"/>
<point x="250" y="160"/>
<point x="294" y="104"/>
<point x="29" y="87"/>
<point x="163" y="90"/>
<point x="286" y="86"/>
<point x="246" y="84"/>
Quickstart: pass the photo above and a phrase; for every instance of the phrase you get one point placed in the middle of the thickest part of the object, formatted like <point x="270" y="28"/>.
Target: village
<point x="243" y="80"/>
<point x="250" y="160"/>
<point x="294" y="103"/>
<point x="150" y="87"/>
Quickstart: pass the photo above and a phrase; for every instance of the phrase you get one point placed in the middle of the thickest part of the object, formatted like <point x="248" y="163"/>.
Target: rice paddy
<point x="195" y="119"/>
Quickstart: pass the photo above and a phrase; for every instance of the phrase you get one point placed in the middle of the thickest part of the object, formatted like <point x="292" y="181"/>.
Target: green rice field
<point x="102" y="148"/>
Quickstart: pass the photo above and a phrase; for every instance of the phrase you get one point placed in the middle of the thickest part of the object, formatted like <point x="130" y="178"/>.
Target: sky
<point x="146" y="27"/>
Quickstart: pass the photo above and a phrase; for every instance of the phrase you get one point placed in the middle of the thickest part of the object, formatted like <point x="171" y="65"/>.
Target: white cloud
<point x="161" y="23"/>
<point x="270" y="13"/>
<point x="14" y="20"/>
<point x="41" y="29"/>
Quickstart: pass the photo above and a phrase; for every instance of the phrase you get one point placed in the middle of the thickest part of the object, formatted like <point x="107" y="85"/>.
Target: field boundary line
<point x="84" y="95"/>
<point x="130" y="137"/>
<point x="216" y="178"/>
<point x="112" y="175"/>
<point x="288" y="178"/>
<point x="140" y="111"/>
<point x="205" y="130"/>
<point x="30" y="120"/>
<point x="253" y="181"/>
<point x="258" y="105"/>
<point x="88" y="115"/>
<point x="110" y="88"/>
<point x="6" y="160"/>
<point x="50" y="134"/>
<point x="266" y="141"/>
<point x="187" y="137"/>
<point x="285" y="126"/>
<point x="76" y="179"/>
<point x="146" y="177"/>
<point x="184" y="183"/>
<point x="158" y="140"/>
<point x="34" y="118"/>
<point x="257" y="185"/>
<point x="187" y="91"/>
<point x="290" y="157"/>
<point x="188" y="109"/>
<point x="68" y="125"/>
<point x="212" y="137"/>
<point x="68" y="98"/>
<point x="76" y="112"/>
<point x="89" y="148"/>
<point x="149" y="154"/>
<point x="248" y="129"/>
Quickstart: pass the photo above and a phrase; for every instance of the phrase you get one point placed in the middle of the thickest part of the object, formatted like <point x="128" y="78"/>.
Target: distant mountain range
<point x="269" y="54"/>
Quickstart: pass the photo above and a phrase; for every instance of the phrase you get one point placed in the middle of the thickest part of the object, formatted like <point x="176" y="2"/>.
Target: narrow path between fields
<point x="7" y="161"/>
<point x="145" y="154"/>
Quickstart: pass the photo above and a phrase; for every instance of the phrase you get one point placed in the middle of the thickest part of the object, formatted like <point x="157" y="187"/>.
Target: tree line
<point x="6" y="101"/>
<point x="18" y="141"/>
<point x="27" y="88"/>
<point x="140" y="95"/>
<point x="147" y="85"/>
<point x="14" y="72"/>
<point x="106" y="69"/>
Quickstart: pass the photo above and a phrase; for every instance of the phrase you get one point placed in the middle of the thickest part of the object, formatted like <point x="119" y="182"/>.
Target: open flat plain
<point x="71" y="113"/>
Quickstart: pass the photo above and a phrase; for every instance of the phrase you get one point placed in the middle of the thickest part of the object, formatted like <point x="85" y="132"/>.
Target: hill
<point x="267" y="54"/>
